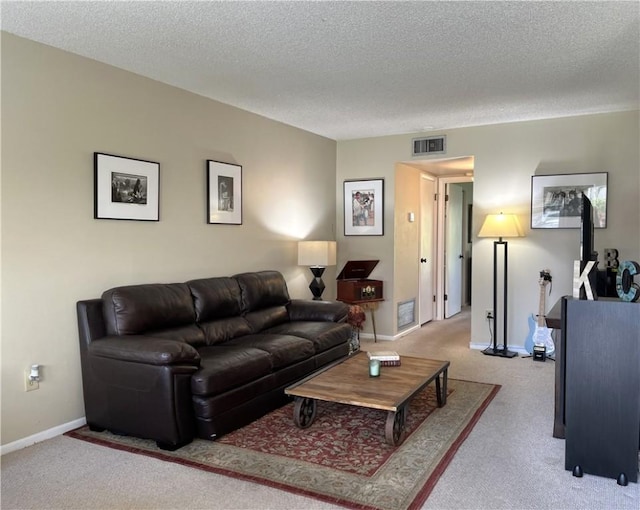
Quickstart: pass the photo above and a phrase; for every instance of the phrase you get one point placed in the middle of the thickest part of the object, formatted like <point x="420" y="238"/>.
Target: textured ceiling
<point x="360" y="69"/>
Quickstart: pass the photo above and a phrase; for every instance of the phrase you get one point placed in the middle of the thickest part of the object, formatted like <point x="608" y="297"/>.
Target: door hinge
<point x="446" y="198"/>
<point x="434" y="299"/>
<point x="446" y="297"/>
<point x="435" y="197"/>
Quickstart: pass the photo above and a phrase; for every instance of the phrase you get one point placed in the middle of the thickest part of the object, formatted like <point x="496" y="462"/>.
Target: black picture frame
<point x="125" y="188"/>
<point x="555" y="199"/>
<point x="224" y="193"/>
<point x="364" y="207"/>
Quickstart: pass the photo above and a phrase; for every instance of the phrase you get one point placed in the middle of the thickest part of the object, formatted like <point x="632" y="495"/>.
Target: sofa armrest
<point x="307" y="310"/>
<point x="145" y="349"/>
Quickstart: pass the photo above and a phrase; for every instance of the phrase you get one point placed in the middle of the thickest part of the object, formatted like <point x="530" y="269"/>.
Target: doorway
<point x="450" y="286"/>
<point x="453" y="250"/>
<point x="428" y="214"/>
<point x="458" y="247"/>
<point x="453" y="262"/>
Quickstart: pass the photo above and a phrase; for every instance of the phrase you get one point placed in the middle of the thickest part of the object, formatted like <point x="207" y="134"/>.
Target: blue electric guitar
<point x="539" y="333"/>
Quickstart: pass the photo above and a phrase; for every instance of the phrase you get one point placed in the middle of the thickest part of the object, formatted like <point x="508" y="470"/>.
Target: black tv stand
<point x="602" y="387"/>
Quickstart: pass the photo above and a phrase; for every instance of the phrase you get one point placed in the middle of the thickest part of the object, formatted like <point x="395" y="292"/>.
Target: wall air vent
<point x="429" y="145"/>
<point x="406" y="313"/>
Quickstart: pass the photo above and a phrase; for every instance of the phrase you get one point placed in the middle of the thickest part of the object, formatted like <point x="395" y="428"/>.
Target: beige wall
<point x="506" y="156"/>
<point x="57" y="109"/>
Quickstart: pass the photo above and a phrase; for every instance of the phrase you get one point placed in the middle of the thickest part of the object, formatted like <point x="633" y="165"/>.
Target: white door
<point x="453" y="247"/>
<point x="427" y="251"/>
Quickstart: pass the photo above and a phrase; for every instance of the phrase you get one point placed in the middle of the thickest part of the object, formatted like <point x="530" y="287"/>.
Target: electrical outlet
<point x="30" y="385"/>
<point x="488" y="314"/>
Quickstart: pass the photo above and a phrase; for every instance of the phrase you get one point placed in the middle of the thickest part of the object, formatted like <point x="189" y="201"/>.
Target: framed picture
<point x="224" y="193"/>
<point x="555" y="199"/>
<point x="125" y="188"/>
<point x="364" y="208"/>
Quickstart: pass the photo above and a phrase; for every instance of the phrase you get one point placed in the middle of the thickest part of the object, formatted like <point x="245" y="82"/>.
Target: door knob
<point x="423" y="260"/>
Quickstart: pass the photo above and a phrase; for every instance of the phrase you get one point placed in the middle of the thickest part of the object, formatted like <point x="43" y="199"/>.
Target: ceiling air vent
<point x="429" y="145"/>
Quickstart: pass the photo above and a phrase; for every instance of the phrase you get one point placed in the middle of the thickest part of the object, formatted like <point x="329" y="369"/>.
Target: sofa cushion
<point x="324" y="335"/>
<point x="267" y="318"/>
<point x="284" y="350"/>
<point x="262" y="289"/>
<point x="318" y="311"/>
<point x="217" y="332"/>
<point x="215" y="298"/>
<point x="226" y="367"/>
<point x="211" y="407"/>
<point x="190" y="334"/>
<point x="218" y="305"/>
<point x="138" y="309"/>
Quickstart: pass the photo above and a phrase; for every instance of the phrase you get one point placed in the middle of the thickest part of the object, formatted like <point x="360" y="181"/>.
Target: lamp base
<point x="317" y="285"/>
<point x="504" y="353"/>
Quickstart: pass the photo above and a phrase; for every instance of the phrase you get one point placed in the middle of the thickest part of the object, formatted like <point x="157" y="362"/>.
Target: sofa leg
<point x="170" y="447"/>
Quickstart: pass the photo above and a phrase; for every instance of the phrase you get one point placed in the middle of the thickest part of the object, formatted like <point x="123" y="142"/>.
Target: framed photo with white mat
<point x="126" y="188"/>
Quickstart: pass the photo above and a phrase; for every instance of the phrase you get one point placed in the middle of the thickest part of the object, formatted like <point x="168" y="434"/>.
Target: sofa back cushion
<point x="262" y="289"/>
<point x="216" y="298"/>
<point x="264" y="299"/>
<point x="218" y="306"/>
<point x="143" y="309"/>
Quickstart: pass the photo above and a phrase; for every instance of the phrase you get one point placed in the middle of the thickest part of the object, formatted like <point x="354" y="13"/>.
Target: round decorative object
<point x="394" y="429"/>
<point x="304" y="412"/>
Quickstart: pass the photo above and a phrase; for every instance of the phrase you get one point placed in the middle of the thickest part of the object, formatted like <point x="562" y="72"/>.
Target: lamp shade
<point x="501" y="225"/>
<point x="317" y="253"/>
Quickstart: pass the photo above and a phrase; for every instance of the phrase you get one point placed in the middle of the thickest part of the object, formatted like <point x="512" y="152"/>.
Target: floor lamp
<point x="317" y="255"/>
<point x="500" y="225"/>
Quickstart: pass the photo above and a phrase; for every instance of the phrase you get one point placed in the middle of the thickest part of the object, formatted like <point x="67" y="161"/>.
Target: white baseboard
<point x="369" y="336"/>
<point x="405" y="332"/>
<point x="42" y="436"/>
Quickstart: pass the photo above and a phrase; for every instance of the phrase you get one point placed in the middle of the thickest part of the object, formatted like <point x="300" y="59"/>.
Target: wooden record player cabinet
<point x="355" y="287"/>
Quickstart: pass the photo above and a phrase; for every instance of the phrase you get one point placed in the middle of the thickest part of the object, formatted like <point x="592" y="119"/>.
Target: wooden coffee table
<point x="348" y="382"/>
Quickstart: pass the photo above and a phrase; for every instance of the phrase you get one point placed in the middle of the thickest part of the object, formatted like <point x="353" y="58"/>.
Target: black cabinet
<point x="602" y="387"/>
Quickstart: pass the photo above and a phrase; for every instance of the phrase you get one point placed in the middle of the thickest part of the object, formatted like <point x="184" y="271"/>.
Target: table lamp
<point x="317" y="255"/>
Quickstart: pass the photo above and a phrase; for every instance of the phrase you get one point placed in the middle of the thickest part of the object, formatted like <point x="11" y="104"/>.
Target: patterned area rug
<point x="343" y="457"/>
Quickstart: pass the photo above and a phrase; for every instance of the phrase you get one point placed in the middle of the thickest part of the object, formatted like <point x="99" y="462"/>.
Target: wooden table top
<point x="348" y="382"/>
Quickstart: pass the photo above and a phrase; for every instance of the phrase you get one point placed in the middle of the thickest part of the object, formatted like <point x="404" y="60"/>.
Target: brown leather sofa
<point x="171" y="361"/>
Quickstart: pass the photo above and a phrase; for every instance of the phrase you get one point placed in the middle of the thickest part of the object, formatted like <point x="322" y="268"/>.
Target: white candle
<point x="374" y="368"/>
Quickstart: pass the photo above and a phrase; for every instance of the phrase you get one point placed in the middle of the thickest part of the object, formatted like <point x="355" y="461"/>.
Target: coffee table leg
<point x="441" y="389"/>
<point x="394" y="429"/>
<point x="304" y="412"/>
